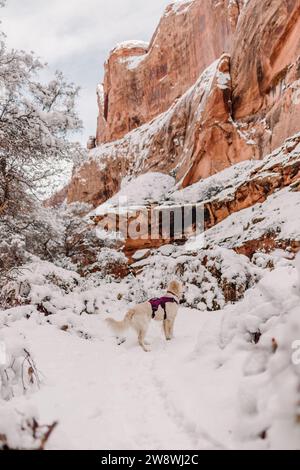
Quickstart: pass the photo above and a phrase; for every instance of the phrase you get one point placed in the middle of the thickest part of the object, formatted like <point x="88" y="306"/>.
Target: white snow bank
<point x="233" y="367"/>
<point x="140" y="191"/>
<point x="268" y="319"/>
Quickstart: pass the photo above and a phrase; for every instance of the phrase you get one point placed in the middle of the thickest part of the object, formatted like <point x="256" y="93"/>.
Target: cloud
<point x="77" y="35"/>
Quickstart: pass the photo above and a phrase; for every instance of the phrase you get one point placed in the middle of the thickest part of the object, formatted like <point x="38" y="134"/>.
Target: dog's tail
<point x="119" y="327"/>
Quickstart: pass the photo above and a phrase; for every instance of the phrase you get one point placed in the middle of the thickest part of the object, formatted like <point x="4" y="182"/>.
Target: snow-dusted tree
<point x="77" y="242"/>
<point x="35" y="120"/>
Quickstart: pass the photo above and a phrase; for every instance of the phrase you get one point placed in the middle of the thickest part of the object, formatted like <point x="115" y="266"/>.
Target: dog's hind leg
<point x="168" y="330"/>
<point x="141" y="336"/>
<point x="172" y="328"/>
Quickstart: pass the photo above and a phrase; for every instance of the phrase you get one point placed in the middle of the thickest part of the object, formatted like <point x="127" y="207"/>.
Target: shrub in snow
<point x="234" y="273"/>
<point x="12" y="254"/>
<point x="109" y="262"/>
<point x="77" y="242"/>
<point x="18" y="372"/>
<point x="37" y="283"/>
<point x="22" y="431"/>
<point x="211" y="277"/>
<point x="34" y="232"/>
<point x="263" y="260"/>
<point x="202" y="287"/>
<point x="271" y="260"/>
<point x="54" y="295"/>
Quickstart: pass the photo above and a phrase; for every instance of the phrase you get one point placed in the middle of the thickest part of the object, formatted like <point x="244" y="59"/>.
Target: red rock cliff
<point x="142" y="81"/>
<point x="188" y="113"/>
<point x="265" y="70"/>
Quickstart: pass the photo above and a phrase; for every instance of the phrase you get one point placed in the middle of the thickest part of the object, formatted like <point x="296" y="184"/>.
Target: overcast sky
<point x="76" y="36"/>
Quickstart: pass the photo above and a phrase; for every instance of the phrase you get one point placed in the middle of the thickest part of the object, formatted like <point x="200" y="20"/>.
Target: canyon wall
<point x="195" y="138"/>
<point x="218" y="84"/>
<point x="265" y="69"/>
<point x="143" y="80"/>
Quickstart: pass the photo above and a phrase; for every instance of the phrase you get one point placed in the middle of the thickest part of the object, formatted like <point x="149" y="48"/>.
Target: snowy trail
<point x="107" y="396"/>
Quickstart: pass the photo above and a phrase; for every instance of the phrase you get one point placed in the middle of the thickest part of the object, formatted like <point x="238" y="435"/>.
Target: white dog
<point x="161" y="309"/>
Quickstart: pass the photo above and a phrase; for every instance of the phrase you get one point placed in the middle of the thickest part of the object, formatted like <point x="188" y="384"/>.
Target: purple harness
<point x="161" y="302"/>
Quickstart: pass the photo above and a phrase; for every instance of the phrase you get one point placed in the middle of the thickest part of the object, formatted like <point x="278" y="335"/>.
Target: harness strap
<point x="165" y="315"/>
<point x="161" y="302"/>
<point x="170" y="292"/>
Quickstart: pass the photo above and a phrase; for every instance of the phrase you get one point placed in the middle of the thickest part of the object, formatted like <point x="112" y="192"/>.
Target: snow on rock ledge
<point x="179" y="7"/>
<point x="133" y="44"/>
<point x="140" y="191"/>
<point x="274" y="223"/>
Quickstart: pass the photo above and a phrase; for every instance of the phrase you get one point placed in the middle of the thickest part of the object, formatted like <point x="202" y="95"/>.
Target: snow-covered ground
<point x="107" y="396"/>
<point x="226" y="381"/>
<point x="230" y="379"/>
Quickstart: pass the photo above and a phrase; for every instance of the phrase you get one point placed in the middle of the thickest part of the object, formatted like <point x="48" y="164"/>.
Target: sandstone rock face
<point x="265" y="70"/>
<point x="194" y="139"/>
<point x="246" y="186"/>
<point x="265" y="47"/>
<point x="279" y="170"/>
<point x="143" y="80"/>
<point x="58" y="198"/>
<point x="249" y="107"/>
<point x="93" y="183"/>
<point x="216" y="141"/>
<point x="182" y="107"/>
